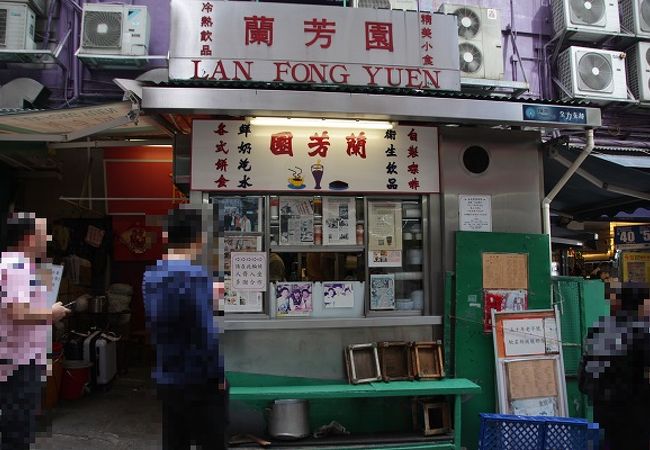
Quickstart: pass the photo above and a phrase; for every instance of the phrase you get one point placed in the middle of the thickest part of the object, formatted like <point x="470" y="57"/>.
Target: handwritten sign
<point x="248" y="271"/>
<point x="524" y="337"/>
<point x="505" y="270"/>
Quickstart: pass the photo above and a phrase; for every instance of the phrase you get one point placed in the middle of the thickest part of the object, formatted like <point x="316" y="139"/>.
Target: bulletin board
<point x="529" y="364"/>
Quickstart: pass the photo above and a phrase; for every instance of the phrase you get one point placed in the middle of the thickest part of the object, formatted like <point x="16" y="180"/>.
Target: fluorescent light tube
<point x="330" y="123"/>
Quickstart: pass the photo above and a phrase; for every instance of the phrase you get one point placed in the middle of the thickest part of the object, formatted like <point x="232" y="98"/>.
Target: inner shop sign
<point x="247" y="41"/>
<point x="233" y="155"/>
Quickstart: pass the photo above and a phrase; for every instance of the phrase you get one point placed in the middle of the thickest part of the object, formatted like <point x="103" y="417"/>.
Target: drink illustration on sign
<point x="297" y="181"/>
<point x="317" y="172"/>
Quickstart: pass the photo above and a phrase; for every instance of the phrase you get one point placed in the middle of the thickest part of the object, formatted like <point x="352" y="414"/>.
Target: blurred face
<point x="36" y="244"/>
<point x="284" y="293"/>
<point x="305" y="295"/>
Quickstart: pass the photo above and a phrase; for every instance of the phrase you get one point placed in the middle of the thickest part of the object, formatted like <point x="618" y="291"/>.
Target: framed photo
<point x="293" y="299"/>
<point x="338" y="294"/>
<point x="382" y="291"/>
<point x="239" y="214"/>
<point x="296" y="221"/>
<point x="339" y="221"/>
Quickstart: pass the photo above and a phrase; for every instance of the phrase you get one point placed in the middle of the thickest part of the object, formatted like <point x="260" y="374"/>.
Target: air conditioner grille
<point x="471" y="58"/>
<point x="557" y="8"/>
<point x="627" y="15"/>
<point x="632" y="62"/>
<point x="469" y="23"/>
<point x="587" y="12"/>
<point x="102" y="29"/>
<point x="595" y="71"/>
<point x="3" y="27"/>
<point x="564" y="69"/>
<point x="377" y="4"/>
<point x="644" y="8"/>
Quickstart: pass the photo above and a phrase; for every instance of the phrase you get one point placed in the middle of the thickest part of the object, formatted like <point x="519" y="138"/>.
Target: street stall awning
<point x="433" y="107"/>
<point x="64" y="125"/>
<point x="598" y="188"/>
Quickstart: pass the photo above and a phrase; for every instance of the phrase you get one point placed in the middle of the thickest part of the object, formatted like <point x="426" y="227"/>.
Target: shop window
<point x="476" y="159"/>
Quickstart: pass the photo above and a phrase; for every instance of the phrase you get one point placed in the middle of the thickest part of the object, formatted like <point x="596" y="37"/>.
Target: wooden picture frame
<point x="427" y="360"/>
<point x="395" y="360"/>
<point x="362" y="363"/>
<point x="431" y="416"/>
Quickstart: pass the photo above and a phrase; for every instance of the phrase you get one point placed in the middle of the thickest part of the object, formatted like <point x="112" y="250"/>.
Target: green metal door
<point x="473" y="349"/>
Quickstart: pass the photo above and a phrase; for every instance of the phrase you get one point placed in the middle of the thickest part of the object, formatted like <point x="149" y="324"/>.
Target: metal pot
<point x="97" y="304"/>
<point x="289" y="419"/>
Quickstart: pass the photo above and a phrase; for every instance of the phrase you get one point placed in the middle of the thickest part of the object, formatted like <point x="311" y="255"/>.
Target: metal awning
<point x="70" y="124"/>
<point x="598" y="188"/>
<point x="245" y="102"/>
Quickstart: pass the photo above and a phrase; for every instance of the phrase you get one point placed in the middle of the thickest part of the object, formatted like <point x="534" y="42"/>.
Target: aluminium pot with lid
<point x="289" y="419"/>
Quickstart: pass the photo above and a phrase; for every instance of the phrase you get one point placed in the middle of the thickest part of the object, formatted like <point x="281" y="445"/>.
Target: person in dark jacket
<point x="615" y="369"/>
<point x="189" y="374"/>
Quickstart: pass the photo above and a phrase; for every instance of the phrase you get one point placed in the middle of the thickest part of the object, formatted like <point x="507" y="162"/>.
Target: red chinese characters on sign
<point x="206" y="50"/>
<point x="221" y="129"/>
<point x="322" y="30"/>
<point x="413" y="135"/>
<point x="222" y="182"/>
<point x="207" y="25"/>
<point x="426" y="35"/>
<point x="206" y="36"/>
<point x="319" y="144"/>
<point x="221" y="165"/>
<point x="414" y="184"/>
<point x="221" y="148"/>
<point x="206" y="22"/>
<point x="282" y="143"/>
<point x="356" y="145"/>
<point x="413" y="151"/>
<point x="207" y="7"/>
<point x="259" y="30"/>
<point x="414" y="168"/>
<point x="379" y="36"/>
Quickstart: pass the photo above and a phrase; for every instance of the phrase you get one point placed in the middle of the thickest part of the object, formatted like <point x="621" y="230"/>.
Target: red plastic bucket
<point x="76" y="375"/>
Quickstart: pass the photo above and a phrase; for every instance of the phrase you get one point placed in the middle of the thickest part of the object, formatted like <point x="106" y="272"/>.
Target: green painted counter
<point x="451" y="386"/>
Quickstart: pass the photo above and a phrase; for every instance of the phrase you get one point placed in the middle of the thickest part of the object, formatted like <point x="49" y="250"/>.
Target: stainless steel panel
<point x="242" y="102"/>
<point x="513" y="179"/>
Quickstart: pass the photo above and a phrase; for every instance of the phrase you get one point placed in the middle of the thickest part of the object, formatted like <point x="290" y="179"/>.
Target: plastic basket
<point x="508" y="432"/>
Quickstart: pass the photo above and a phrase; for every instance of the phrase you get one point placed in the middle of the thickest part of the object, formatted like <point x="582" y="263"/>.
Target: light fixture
<point x="329" y="123"/>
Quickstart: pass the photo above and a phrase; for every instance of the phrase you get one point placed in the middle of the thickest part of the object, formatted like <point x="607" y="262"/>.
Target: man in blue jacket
<point x="178" y="296"/>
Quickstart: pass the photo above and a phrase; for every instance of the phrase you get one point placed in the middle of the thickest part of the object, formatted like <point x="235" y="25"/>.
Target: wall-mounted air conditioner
<point x="115" y="30"/>
<point x="479" y="41"/>
<point x="38" y="6"/>
<point x="588" y="19"/>
<point x="635" y="17"/>
<point x="17" y="26"/>
<point x="638" y="70"/>
<point x="593" y="74"/>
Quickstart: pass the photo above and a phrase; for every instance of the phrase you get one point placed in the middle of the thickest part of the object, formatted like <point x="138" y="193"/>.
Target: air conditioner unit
<point x="593" y="74"/>
<point x="479" y="41"/>
<point x="638" y="71"/>
<point x="115" y="30"/>
<point x="635" y="16"/>
<point x="17" y="26"/>
<point x="38" y="6"/>
<point x="589" y="19"/>
<point x="377" y="4"/>
<point x="404" y="5"/>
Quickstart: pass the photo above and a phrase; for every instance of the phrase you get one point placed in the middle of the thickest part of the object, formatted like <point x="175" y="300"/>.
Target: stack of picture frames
<point x="394" y="361"/>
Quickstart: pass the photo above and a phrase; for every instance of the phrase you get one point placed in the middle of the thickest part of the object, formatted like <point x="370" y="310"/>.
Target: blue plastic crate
<point x="508" y="432"/>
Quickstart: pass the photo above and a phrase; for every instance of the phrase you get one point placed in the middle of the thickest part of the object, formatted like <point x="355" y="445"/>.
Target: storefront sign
<point x="559" y="114"/>
<point x="475" y="212"/>
<point x="232" y="156"/>
<point x="632" y="237"/>
<point x="243" y="41"/>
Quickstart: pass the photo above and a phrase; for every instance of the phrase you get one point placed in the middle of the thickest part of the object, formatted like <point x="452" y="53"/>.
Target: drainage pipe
<point x="546" y="203"/>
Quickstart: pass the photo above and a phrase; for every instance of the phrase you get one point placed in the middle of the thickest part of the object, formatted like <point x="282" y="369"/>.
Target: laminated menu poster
<point x="293" y="299"/>
<point x="241" y="301"/>
<point x="385" y="226"/>
<point x="339" y="221"/>
<point x="382" y="291"/>
<point x="502" y="300"/>
<point x="296" y="221"/>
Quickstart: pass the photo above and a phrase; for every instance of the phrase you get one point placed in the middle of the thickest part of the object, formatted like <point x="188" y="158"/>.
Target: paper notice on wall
<point x="385" y="258"/>
<point x="385" y="226"/>
<point x="248" y="271"/>
<point x="505" y="270"/>
<point x="339" y="221"/>
<point x="550" y="336"/>
<point x="531" y="378"/>
<point x="545" y="406"/>
<point x="524" y="337"/>
<point x="475" y="212"/>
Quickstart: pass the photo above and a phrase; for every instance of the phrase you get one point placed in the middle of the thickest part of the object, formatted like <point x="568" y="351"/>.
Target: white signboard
<point x="232" y="155"/>
<point x="248" y="271"/>
<point x="57" y="274"/>
<point x="524" y="337"/>
<point x="475" y="212"/>
<point x="550" y="336"/>
<point x="245" y="41"/>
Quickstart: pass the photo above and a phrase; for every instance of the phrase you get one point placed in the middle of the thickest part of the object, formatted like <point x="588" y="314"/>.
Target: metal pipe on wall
<point x="546" y="203"/>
